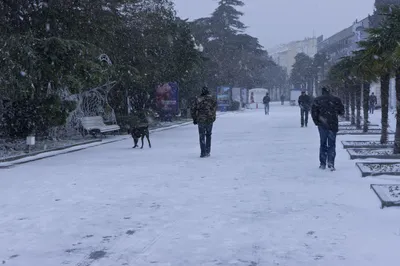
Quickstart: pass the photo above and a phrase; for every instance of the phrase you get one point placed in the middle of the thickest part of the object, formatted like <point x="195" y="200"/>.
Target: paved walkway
<point x="259" y="200"/>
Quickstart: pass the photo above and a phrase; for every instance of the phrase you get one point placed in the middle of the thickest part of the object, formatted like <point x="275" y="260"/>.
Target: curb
<point x="78" y="147"/>
<point x="19" y="157"/>
<point x="48" y="154"/>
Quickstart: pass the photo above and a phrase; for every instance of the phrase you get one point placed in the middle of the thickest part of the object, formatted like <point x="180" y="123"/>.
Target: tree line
<point x="52" y="46"/>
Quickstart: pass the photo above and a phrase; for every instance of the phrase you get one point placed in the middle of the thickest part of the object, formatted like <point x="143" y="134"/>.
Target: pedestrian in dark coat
<point x="325" y="111"/>
<point x="204" y="113"/>
<point x="266" y="101"/>
<point x="373" y="101"/>
<point x="305" y="106"/>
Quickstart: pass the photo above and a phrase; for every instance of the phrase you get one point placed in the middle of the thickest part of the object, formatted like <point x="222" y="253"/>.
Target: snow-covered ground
<point x="259" y="200"/>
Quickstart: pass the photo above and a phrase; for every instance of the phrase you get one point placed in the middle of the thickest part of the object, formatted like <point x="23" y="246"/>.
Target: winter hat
<point x="205" y="91"/>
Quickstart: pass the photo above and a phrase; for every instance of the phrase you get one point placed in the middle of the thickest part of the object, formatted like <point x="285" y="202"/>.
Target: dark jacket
<point x="373" y="100"/>
<point x="325" y="111"/>
<point x="305" y="102"/>
<point x="204" y="109"/>
<point x="266" y="99"/>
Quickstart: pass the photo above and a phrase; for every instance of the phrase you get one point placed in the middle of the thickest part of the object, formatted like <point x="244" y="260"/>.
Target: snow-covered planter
<point x="385" y="153"/>
<point x="372" y="126"/>
<point x="366" y="144"/>
<point x="348" y="128"/>
<point x="348" y="123"/>
<point x="378" y="168"/>
<point x="389" y="195"/>
<point x="360" y="132"/>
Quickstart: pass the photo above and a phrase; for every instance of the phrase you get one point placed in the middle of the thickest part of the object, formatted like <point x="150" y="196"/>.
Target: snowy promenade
<point x="260" y="200"/>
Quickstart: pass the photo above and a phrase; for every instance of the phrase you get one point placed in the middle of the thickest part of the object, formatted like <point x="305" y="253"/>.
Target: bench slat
<point x="96" y="123"/>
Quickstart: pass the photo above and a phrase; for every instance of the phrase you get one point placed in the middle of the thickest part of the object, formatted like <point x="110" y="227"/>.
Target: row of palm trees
<point x="377" y="60"/>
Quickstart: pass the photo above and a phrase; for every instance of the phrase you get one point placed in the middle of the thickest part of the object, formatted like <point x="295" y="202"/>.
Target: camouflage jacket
<point x="204" y="109"/>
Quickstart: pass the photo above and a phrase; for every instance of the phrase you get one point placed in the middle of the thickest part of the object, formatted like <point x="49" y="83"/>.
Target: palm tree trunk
<point x="353" y="105"/>
<point x="358" y="106"/>
<point x="366" y="87"/>
<point x="347" y="104"/>
<point x="396" y="149"/>
<point x="385" y="82"/>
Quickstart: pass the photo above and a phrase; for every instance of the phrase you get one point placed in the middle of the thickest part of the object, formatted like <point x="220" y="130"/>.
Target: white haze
<point x="275" y="22"/>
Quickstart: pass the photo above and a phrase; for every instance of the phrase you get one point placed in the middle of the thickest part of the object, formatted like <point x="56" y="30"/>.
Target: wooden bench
<point x="95" y="125"/>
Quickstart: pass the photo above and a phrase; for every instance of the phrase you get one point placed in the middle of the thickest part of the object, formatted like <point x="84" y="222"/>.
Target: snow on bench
<point x="95" y="124"/>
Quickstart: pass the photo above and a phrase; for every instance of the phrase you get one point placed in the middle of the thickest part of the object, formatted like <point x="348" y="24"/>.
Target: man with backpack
<point x="204" y="113"/>
<point x="266" y="101"/>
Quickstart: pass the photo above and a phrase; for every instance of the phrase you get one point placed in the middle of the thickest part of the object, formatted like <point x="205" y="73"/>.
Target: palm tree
<point x="365" y="73"/>
<point x="341" y="75"/>
<point x="379" y="54"/>
<point x="390" y="31"/>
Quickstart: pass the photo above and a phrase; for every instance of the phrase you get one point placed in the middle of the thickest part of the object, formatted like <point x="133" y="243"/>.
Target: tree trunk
<point x="347" y="104"/>
<point x="358" y="106"/>
<point x="366" y="87"/>
<point x="353" y="105"/>
<point x="385" y="82"/>
<point x="310" y="87"/>
<point x="396" y="149"/>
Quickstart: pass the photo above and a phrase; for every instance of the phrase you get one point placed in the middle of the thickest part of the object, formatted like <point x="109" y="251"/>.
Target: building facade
<point x="344" y="43"/>
<point x="284" y="54"/>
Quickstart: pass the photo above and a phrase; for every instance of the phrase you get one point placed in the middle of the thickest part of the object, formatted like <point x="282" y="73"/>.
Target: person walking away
<point x="324" y="112"/>
<point x="305" y="106"/>
<point x="266" y="101"/>
<point x="282" y="99"/>
<point x="373" y="101"/>
<point x="204" y="113"/>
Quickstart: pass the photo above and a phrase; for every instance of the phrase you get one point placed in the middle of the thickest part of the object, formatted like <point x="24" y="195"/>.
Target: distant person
<point x="266" y="101"/>
<point x="325" y="111"/>
<point x="373" y="101"/>
<point x="282" y="99"/>
<point x="305" y="106"/>
<point x="203" y="112"/>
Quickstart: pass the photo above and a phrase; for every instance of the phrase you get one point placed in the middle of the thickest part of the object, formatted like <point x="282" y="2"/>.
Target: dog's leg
<point x="136" y="142"/>
<point x="148" y="139"/>
<point x="142" y="141"/>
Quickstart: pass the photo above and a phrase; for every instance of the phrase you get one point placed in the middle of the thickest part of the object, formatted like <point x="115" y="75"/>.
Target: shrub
<point x="36" y="117"/>
<point x="235" y="105"/>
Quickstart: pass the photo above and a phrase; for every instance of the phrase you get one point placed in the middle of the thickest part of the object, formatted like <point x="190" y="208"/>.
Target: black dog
<point x="140" y="132"/>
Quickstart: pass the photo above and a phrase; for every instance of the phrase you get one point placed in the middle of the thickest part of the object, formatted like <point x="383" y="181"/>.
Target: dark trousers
<point x="205" y="132"/>
<point x="327" y="150"/>
<point x="266" y="108"/>
<point x="304" y="116"/>
<point x="371" y="108"/>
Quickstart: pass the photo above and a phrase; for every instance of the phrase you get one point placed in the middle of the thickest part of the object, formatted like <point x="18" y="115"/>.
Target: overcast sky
<point x="281" y="21"/>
